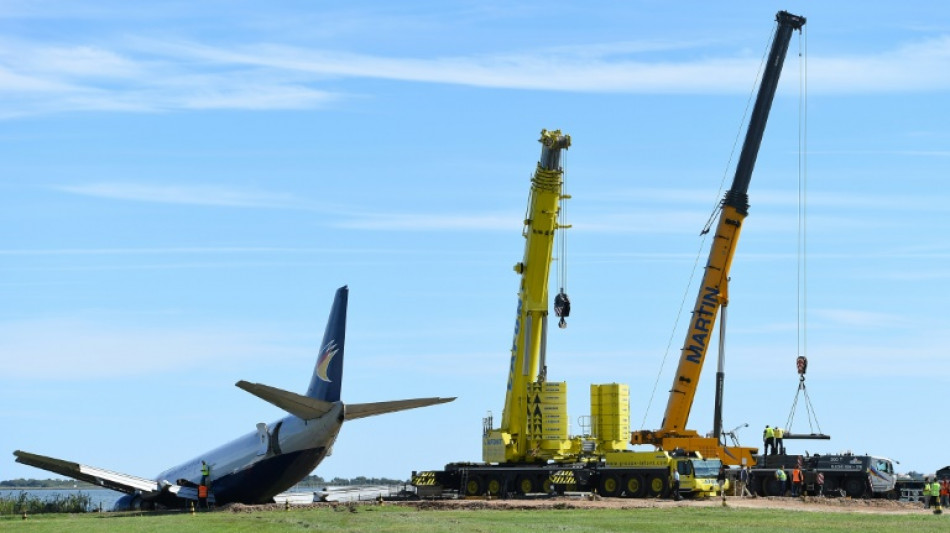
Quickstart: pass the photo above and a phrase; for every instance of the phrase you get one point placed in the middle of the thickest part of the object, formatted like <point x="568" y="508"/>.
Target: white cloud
<point x="428" y="222"/>
<point x="208" y="195"/>
<point x="77" y="349"/>
<point x="597" y="68"/>
<point x="867" y="320"/>
<point x="78" y="62"/>
<point x="218" y="196"/>
<point x="151" y="75"/>
<point x="911" y="67"/>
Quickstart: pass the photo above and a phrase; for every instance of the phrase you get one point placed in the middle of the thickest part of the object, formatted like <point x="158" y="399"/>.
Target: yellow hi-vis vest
<point x="779" y="433"/>
<point x="769" y="433"/>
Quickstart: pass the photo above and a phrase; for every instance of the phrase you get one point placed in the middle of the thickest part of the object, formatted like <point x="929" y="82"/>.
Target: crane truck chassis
<point x="857" y="476"/>
<point x="628" y="474"/>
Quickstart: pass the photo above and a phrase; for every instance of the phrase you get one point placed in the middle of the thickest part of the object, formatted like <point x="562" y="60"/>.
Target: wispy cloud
<point x="39" y="79"/>
<point x="189" y="251"/>
<point x="867" y="320"/>
<point x="910" y="67"/>
<point x="429" y="222"/>
<point x="599" y="68"/>
<point x="158" y="75"/>
<point x="208" y="195"/>
<point x="352" y="218"/>
<point x="75" y="349"/>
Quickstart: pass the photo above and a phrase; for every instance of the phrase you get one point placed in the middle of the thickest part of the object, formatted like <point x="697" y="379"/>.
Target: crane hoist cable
<point x="562" y="303"/>
<point x="802" y="250"/>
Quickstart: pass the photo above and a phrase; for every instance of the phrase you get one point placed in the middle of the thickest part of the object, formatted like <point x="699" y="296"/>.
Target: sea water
<point x="100" y="498"/>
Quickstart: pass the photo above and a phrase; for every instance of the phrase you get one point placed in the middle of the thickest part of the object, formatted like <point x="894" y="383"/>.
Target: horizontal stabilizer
<point x="90" y="474"/>
<point x="296" y="404"/>
<point x="360" y="410"/>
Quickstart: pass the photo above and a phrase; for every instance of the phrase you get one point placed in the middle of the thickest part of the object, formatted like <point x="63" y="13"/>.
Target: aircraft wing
<point x="296" y="404"/>
<point x="360" y="410"/>
<point x="104" y="478"/>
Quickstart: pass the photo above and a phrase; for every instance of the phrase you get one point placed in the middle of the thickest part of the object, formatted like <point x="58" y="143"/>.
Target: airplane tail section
<point x="328" y="372"/>
<point x="324" y="389"/>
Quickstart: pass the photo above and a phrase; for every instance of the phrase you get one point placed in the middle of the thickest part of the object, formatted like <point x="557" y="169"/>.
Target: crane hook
<point x="562" y="308"/>
<point x="802" y="364"/>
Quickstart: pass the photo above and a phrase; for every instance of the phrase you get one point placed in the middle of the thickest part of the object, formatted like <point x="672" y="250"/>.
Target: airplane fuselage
<point x="256" y="466"/>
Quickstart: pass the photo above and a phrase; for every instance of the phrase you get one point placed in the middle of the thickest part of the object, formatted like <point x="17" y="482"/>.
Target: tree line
<point x="309" y="481"/>
<point x="22" y="483"/>
<point x="318" y="481"/>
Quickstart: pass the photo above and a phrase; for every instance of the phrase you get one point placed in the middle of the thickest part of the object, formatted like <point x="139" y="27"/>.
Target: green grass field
<point x="383" y="519"/>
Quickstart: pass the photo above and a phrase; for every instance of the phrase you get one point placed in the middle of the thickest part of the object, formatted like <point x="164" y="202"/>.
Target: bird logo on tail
<point x="323" y="362"/>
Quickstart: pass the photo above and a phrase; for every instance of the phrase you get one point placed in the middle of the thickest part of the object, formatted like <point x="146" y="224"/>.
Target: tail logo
<point x="323" y="362"/>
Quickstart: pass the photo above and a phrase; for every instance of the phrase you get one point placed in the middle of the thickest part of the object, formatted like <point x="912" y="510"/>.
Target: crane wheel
<point x="527" y="484"/>
<point x="633" y="486"/>
<point x="854" y="487"/>
<point x="772" y="487"/>
<point x="656" y="486"/>
<point x="609" y="485"/>
<point x="474" y="486"/>
<point x="493" y="487"/>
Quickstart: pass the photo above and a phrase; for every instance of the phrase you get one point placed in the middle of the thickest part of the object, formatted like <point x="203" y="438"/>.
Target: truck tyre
<point x="656" y="486"/>
<point x="633" y="486"/>
<point x="854" y="487"/>
<point x="527" y="484"/>
<point x="831" y="486"/>
<point x="474" y="486"/>
<point x="772" y="487"/>
<point x="494" y="485"/>
<point x="609" y="485"/>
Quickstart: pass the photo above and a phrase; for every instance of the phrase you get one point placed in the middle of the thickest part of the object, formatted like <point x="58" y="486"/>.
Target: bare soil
<point x="808" y="503"/>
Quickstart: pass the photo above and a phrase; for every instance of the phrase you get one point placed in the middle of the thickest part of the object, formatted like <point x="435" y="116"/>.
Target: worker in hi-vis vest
<point x="935" y="495"/>
<point x="769" y="437"/>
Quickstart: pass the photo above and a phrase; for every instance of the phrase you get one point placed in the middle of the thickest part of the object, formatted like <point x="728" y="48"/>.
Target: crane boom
<point x="713" y="292"/>
<point x="529" y="343"/>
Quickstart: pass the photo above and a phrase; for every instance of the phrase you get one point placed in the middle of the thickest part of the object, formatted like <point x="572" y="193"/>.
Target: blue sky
<point x="184" y="185"/>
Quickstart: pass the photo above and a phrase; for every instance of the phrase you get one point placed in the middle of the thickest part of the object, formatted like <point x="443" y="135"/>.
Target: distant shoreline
<point x="32" y="484"/>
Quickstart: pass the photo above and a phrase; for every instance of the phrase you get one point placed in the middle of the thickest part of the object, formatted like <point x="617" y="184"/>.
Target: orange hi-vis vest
<point x="797" y="475"/>
<point x="202" y="491"/>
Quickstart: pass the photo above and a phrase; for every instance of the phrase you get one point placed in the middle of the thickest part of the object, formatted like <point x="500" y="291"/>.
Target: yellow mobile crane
<point x="713" y="293"/>
<point x="531" y="450"/>
<point x="530" y="430"/>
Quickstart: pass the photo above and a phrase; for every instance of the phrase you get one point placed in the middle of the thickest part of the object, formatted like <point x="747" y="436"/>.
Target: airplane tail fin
<point x="328" y="372"/>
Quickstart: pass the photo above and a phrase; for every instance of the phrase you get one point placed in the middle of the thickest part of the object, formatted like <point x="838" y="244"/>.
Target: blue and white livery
<point x="255" y="467"/>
